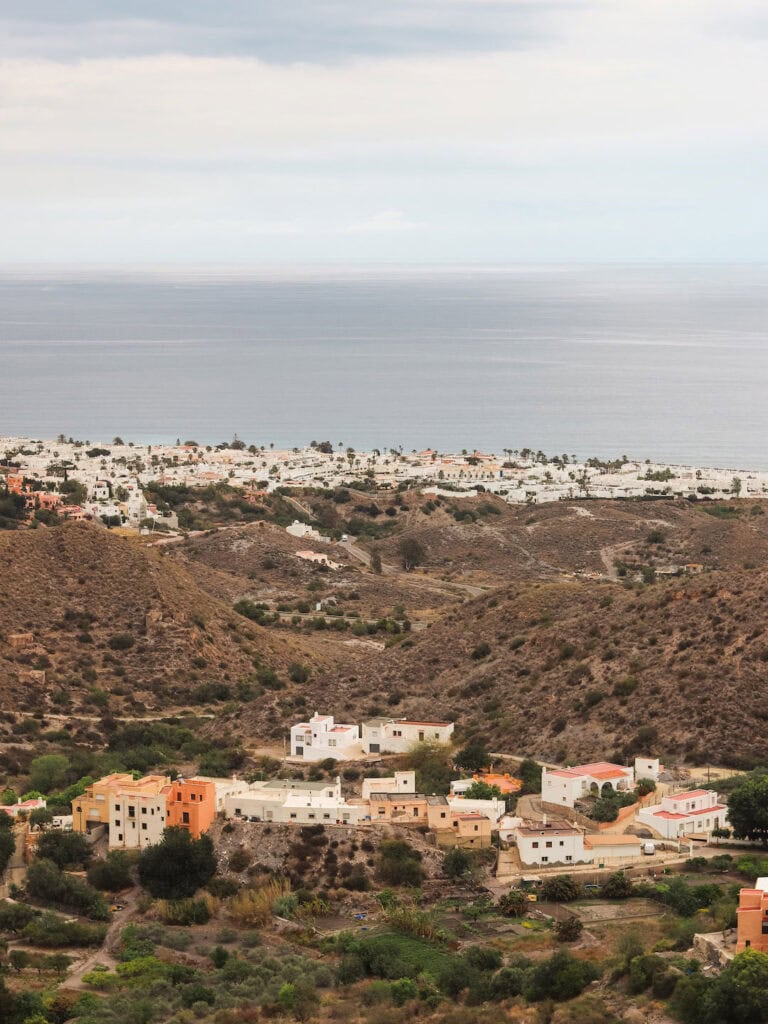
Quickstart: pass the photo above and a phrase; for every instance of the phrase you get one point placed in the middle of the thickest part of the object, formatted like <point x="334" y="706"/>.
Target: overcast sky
<point x="148" y="131"/>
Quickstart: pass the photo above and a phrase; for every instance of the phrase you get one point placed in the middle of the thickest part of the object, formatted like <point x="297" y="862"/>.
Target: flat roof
<point x="610" y="840"/>
<point x="292" y="784"/>
<point x="410" y="721"/>
<point x="398" y="796"/>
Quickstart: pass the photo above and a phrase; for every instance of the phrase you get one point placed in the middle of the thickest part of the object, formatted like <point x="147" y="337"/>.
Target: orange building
<point x="192" y="805"/>
<point x="399" y="808"/>
<point x="92" y="807"/>
<point x="752" y="918"/>
<point x="506" y="783"/>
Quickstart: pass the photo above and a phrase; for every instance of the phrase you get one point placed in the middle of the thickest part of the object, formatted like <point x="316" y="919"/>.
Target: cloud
<point x="624" y="129"/>
<point x="276" y="31"/>
<point x="384" y="221"/>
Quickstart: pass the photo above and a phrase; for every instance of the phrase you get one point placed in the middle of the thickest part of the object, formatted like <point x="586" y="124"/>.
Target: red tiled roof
<point x="691" y="794"/>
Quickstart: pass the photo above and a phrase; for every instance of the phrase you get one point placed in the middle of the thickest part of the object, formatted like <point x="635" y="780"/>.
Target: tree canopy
<point x="177" y="866"/>
<point x="748" y="808"/>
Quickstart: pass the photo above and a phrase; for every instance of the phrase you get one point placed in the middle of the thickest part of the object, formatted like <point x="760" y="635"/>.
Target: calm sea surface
<point x="667" y="362"/>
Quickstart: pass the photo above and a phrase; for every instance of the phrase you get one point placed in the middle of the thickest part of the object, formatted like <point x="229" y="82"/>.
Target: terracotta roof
<point x="691" y="794"/>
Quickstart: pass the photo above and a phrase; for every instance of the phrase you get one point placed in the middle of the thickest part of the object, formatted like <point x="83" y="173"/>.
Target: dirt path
<point x="105" y="954"/>
<point x="608" y="557"/>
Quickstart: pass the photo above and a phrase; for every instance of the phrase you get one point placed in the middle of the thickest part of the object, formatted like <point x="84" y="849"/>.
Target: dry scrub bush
<point x="254" y="906"/>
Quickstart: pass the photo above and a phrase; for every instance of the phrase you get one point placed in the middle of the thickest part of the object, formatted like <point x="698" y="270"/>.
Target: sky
<point x="416" y="131"/>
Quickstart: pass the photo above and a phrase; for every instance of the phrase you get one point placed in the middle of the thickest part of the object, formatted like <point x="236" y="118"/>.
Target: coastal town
<point x="113" y="475"/>
<point x="659" y="823"/>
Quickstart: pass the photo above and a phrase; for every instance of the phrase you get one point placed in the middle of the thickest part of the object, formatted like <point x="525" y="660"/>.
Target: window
<point x="80" y="810"/>
<point x="326" y="817"/>
<point x="131" y="812"/>
<point x="192" y="796"/>
<point x="185" y="817"/>
<point x="548" y="844"/>
<point x="144" y="826"/>
<point x="562" y="843"/>
<point x="117" y="822"/>
<point x="442" y="814"/>
<point x="143" y="810"/>
<point x="238" y="811"/>
<point x="545" y="860"/>
<point x="120" y="837"/>
<point x="311" y="817"/>
<point x="535" y="845"/>
<point x="293" y="816"/>
<point x="476" y="828"/>
<point x="415" y="812"/>
<point x="568" y="859"/>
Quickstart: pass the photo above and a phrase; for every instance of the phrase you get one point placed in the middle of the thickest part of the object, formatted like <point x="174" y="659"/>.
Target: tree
<point x="645" y="786"/>
<point x="482" y="791"/>
<point x="65" y="849"/>
<point x="376" y="561"/>
<point x="560" y="889"/>
<point x="177" y="866"/>
<point x="48" y="771"/>
<point x="617" y="887"/>
<point x="530" y="775"/>
<point x="113" y="873"/>
<point x="748" y="808"/>
<point x="399" y="863"/>
<point x="561" y="977"/>
<point x="432" y="764"/>
<point x="456" y="863"/>
<point x="411" y="553"/>
<point x="41" y="816"/>
<point x="513" y="903"/>
<point x="473" y="756"/>
<point x="569" y="929"/>
<point x="740" y="993"/>
<point x="7" y="840"/>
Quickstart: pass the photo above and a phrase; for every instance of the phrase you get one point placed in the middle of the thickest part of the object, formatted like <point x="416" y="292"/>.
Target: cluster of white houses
<point x="321" y="737"/>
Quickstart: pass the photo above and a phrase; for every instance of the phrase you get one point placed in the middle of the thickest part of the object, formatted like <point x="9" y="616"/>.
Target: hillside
<point x="528" y="626"/>
<point x="582" y="670"/>
<point x="109" y="616"/>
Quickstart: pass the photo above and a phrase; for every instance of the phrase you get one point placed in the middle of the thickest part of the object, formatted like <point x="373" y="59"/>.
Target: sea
<point x="661" y="361"/>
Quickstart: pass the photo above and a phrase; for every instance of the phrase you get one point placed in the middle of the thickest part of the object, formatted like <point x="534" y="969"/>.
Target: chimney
<point x="544" y="820"/>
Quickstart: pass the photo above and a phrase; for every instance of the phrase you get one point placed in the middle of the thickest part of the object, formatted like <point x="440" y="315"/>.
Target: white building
<point x="318" y="559"/>
<point x="224" y="788"/>
<point x="398" y="736"/>
<point x="136" y="820"/>
<point x="295" y="802"/>
<point x="696" y="812"/>
<point x="648" y="768"/>
<point x="493" y="809"/>
<point x="302" y="530"/>
<point x="400" y="782"/>
<point x="564" y="786"/>
<point x="321" y="737"/>
<point x="100" y="491"/>
<point x="550" y="842"/>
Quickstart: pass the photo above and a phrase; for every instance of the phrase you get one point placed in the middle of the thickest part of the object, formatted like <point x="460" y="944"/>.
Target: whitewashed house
<point x="399" y="735"/>
<point x="696" y="812"/>
<point x="550" y="842"/>
<point x="400" y="782"/>
<point x="289" y="801"/>
<point x="564" y="786"/>
<point x="648" y="768"/>
<point x="321" y="737"/>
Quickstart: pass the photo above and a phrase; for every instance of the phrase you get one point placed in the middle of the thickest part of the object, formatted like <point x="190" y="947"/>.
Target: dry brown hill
<point x="581" y="670"/>
<point x="109" y="615"/>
